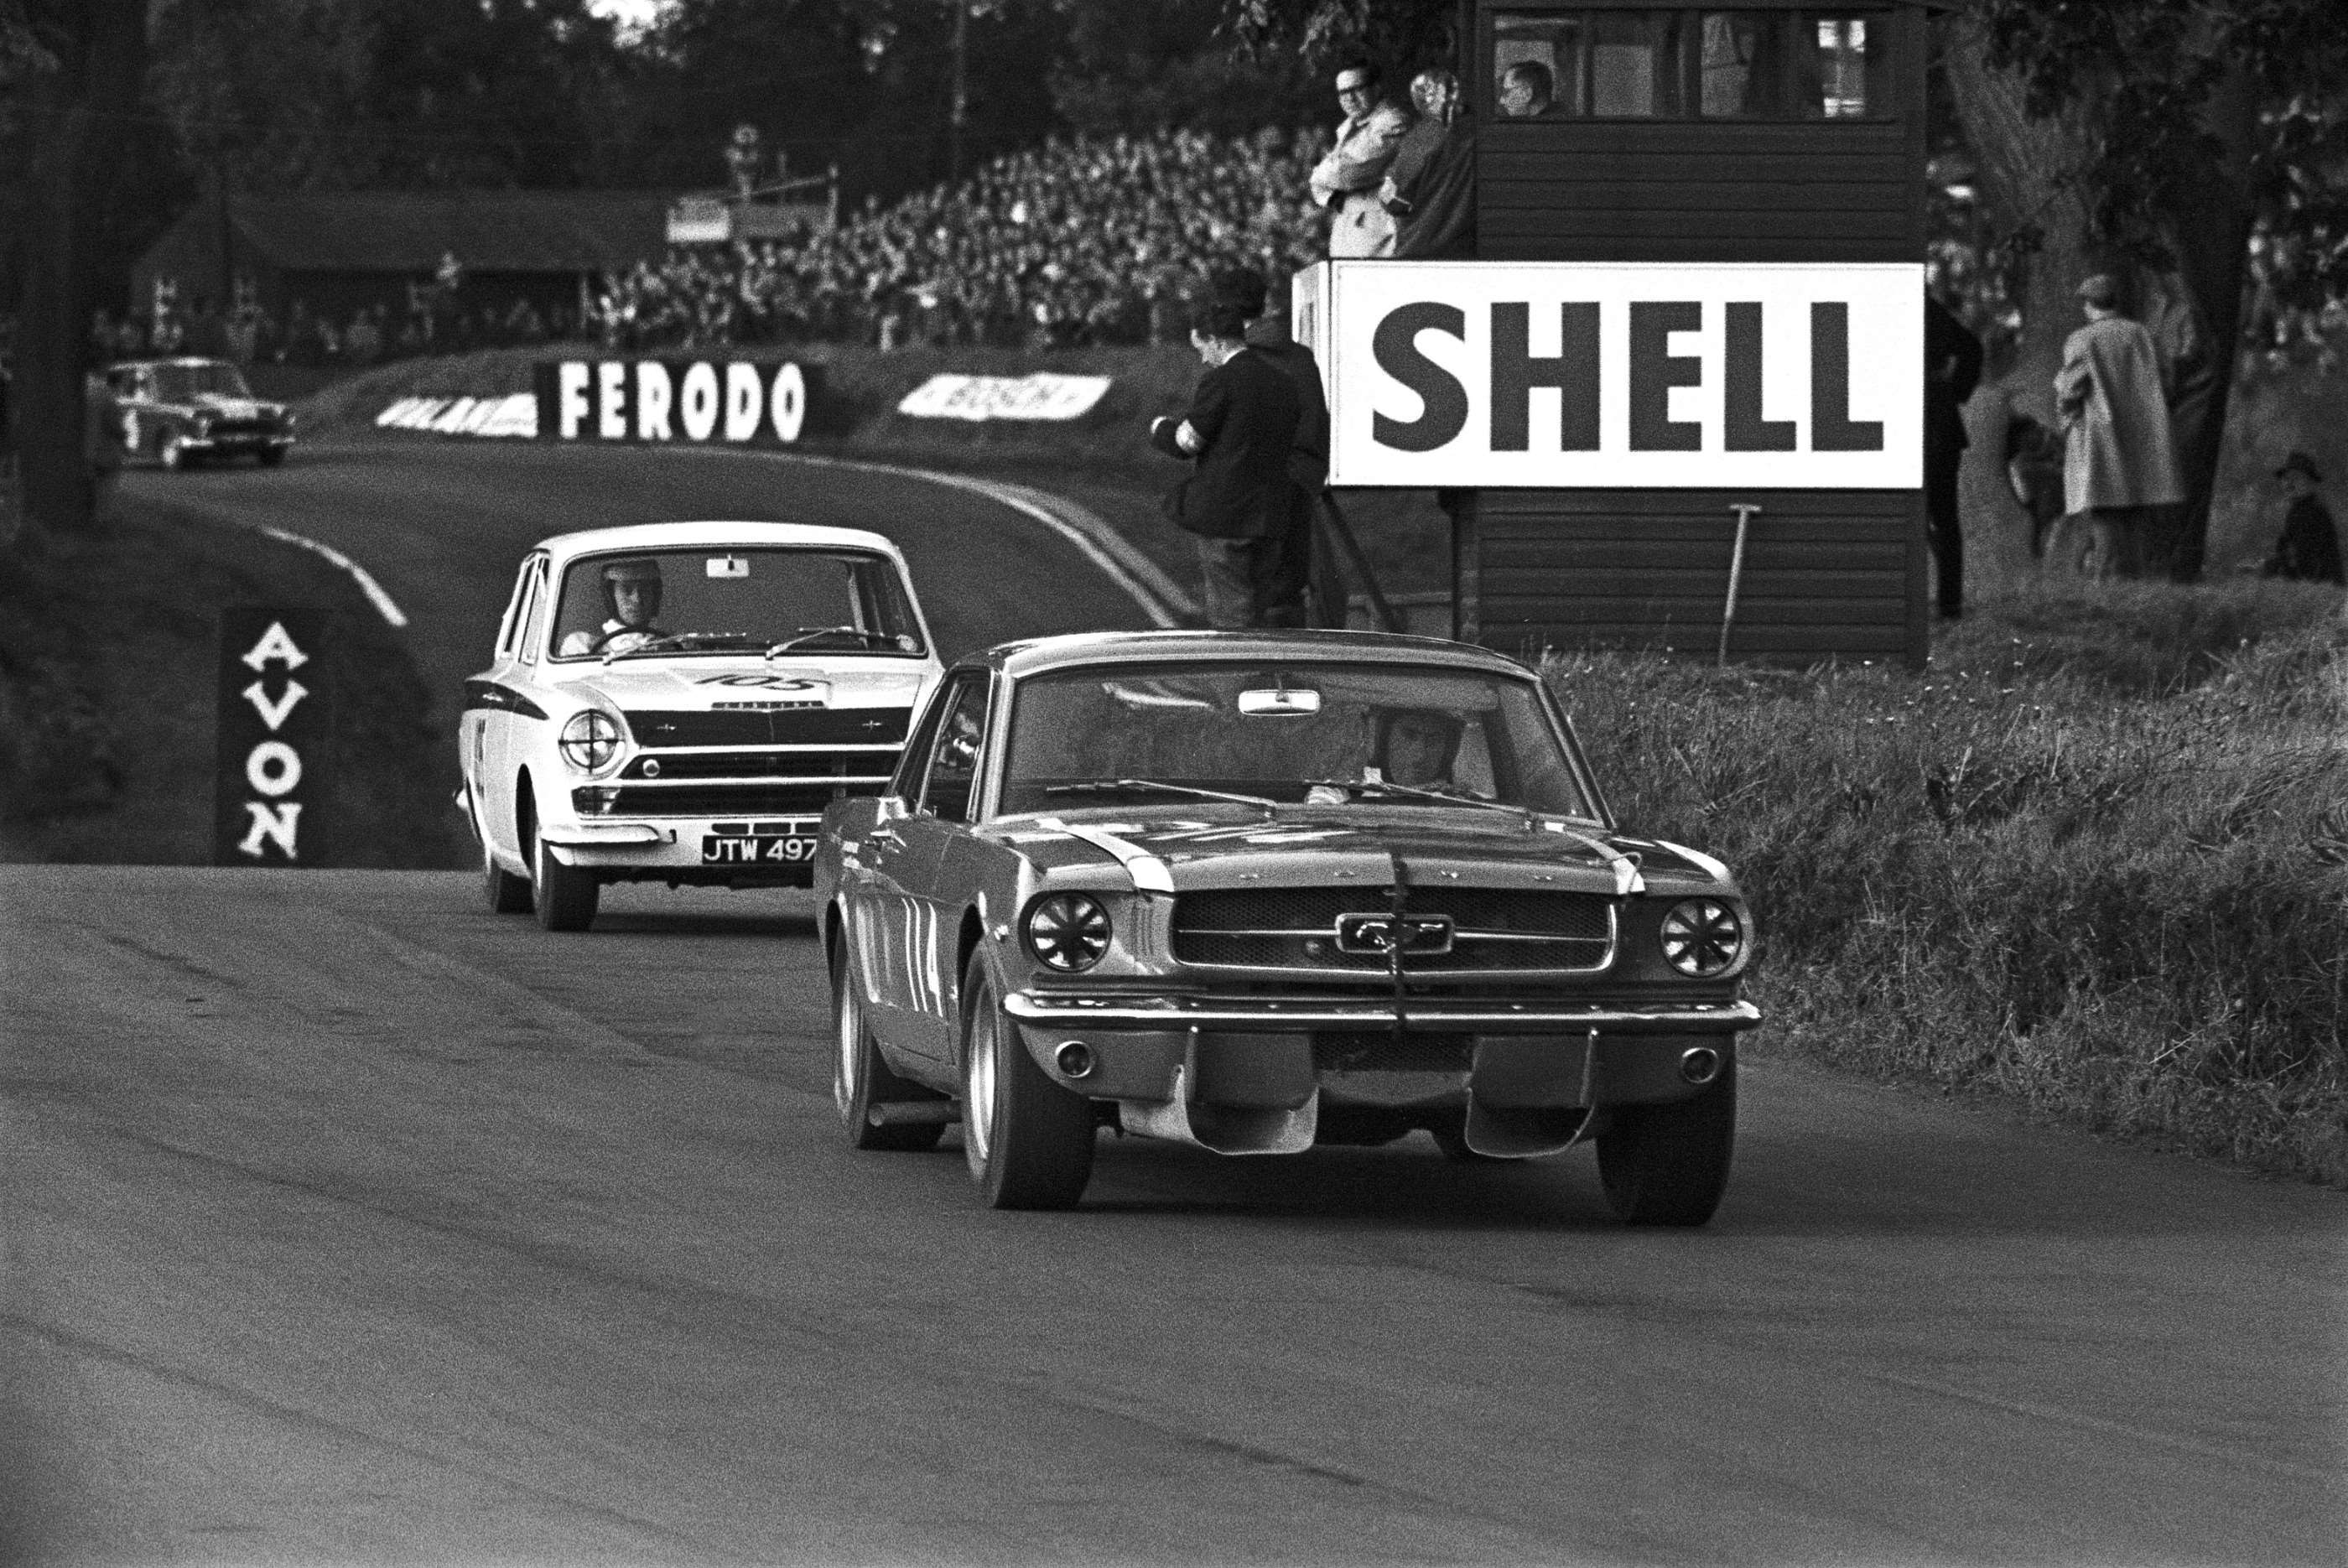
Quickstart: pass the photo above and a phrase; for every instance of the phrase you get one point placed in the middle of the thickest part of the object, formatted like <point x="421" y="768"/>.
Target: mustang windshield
<point x="180" y="383"/>
<point x="1394" y="735"/>
<point x="717" y="600"/>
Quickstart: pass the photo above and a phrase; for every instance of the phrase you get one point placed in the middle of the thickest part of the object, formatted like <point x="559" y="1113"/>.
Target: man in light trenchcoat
<point x="2118" y="460"/>
<point x="1346" y="181"/>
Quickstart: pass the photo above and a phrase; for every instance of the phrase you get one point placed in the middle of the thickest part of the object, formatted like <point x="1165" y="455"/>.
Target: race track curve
<point x="345" y="1221"/>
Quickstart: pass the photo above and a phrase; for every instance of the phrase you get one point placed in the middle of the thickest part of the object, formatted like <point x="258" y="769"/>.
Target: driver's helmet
<point x="638" y="569"/>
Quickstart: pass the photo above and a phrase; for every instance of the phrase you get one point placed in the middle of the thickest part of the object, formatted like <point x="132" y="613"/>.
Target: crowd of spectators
<point x="436" y="320"/>
<point x="1089" y="241"/>
<point x="1075" y="242"/>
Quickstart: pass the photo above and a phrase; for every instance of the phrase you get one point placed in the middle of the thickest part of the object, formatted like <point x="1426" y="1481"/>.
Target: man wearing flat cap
<point x="2308" y="548"/>
<point x="2118" y="460"/>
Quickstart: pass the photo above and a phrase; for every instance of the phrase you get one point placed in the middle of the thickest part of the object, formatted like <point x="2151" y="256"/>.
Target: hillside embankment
<point x="2094" y="860"/>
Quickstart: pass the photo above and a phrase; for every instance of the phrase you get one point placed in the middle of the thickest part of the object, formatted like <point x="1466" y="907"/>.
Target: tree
<point x="2152" y="138"/>
<point x="82" y="63"/>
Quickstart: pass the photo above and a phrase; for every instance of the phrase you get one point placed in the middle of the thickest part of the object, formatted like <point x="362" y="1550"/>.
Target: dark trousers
<point x="1942" y="530"/>
<point x="1241" y="576"/>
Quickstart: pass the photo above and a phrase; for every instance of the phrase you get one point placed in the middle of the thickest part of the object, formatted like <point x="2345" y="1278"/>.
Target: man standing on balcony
<point x="1346" y="181"/>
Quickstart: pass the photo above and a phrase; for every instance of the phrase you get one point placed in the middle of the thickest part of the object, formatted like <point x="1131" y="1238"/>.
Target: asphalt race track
<point x="347" y="1223"/>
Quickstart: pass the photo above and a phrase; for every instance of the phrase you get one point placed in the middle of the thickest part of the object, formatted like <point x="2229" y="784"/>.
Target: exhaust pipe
<point x="1700" y="1065"/>
<point x="1074" y="1058"/>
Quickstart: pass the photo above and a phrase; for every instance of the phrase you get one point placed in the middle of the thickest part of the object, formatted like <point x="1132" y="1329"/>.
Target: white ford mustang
<point x="678" y="702"/>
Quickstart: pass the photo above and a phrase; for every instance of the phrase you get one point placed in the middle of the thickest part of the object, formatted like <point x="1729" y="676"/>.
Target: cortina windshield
<point x="184" y="383"/>
<point x="717" y="600"/>
<point x="1305" y="732"/>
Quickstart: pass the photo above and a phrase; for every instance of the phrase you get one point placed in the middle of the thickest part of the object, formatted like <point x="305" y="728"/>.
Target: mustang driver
<point x="632" y="590"/>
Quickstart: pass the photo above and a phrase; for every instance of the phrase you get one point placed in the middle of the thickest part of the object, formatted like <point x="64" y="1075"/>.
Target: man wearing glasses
<point x="1345" y="183"/>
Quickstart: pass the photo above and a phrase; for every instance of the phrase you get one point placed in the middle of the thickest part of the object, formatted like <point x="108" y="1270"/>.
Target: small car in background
<point x="679" y="702"/>
<point x="1254" y="892"/>
<point x="179" y="412"/>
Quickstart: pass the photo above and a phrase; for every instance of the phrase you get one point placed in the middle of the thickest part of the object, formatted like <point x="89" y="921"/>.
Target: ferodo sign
<point x="1564" y="375"/>
<point x="274" y="732"/>
<point x="735" y="402"/>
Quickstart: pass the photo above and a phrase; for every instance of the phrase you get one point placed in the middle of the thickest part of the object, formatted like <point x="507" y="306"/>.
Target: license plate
<point x="725" y="849"/>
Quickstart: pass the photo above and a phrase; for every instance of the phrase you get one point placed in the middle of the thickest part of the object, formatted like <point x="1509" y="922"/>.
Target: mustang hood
<point x="1308" y="846"/>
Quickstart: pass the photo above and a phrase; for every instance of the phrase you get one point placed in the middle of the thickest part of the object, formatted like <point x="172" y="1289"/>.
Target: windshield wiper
<point x="1103" y="786"/>
<point x="811" y="634"/>
<point x="1413" y="792"/>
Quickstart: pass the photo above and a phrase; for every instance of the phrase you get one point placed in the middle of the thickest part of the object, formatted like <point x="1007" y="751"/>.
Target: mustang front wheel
<point x="860" y="1080"/>
<point x="566" y="895"/>
<point x="1668" y="1164"/>
<point x="1028" y="1140"/>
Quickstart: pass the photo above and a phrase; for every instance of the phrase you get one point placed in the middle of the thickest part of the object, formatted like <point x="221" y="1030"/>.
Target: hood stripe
<point x="1713" y="868"/>
<point x="1627" y="880"/>
<point x="1149" y="873"/>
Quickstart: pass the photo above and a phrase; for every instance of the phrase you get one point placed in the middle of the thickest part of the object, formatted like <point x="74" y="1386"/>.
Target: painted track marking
<point x="1164" y="600"/>
<point x="390" y="612"/>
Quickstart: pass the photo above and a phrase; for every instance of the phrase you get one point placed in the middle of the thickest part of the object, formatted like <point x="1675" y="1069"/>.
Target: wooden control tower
<point x="1700" y="235"/>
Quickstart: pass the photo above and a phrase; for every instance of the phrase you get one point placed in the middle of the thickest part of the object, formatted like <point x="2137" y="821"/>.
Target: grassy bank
<point x="2097" y="860"/>
<point x="108" y="646"/>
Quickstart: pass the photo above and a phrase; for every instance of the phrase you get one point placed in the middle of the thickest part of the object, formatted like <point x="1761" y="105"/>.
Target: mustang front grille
<point x="1450" y="930"/>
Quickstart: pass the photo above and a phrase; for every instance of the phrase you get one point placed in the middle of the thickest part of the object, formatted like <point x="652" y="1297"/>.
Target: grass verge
<point x="2097" y="860"/>
<point x="108" y="646"/>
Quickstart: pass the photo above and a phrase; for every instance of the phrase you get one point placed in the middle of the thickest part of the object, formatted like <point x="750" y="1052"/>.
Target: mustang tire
<point x="860" y="1080"/>
<point x="271" y="456"/>
<point x="1668" y="1164"/>
<point x="1028" y="1140"/>
<point x="565" y="895"/>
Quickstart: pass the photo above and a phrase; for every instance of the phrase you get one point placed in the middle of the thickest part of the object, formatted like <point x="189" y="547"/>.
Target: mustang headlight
<point x="591" y="740"/>
<point x="1068" y="932"/>
<point x="1703" y="938"/>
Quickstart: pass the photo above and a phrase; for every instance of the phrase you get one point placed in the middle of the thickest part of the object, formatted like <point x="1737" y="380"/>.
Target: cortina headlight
<point x="1067" y="932"/>
<point x="591" y="740"/>
<point x="1703" y="938"/>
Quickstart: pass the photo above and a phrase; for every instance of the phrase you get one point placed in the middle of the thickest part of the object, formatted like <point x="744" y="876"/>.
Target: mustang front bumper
<point x="1299" y="1014"/>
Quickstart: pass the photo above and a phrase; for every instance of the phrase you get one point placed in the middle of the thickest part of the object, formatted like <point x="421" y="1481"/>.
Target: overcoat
<point x="1246" y="411"/>
<point x="2116" y="449"/>
<point x="1347" y="180"/>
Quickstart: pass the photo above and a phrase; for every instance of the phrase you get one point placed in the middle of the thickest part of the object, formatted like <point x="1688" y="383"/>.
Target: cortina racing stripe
<point x="1149" y="873"/>
<point x="504" y="698"/>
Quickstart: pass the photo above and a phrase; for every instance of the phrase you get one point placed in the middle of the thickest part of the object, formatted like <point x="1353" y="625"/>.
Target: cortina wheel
<point x="1668" y="1164"/>
<point x="565" y="895"/>
<point x="506" y="892"/>
<point x="860" y="1079"/>
<point x="1028" y="1140"/>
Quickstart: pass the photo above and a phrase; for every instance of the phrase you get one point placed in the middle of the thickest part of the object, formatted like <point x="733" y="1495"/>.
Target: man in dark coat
<point x="1239" y="431"/>
<point x="2309" y="546"/>
<point x="1306" y="576"/>
<point x="1952" y="368"/>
